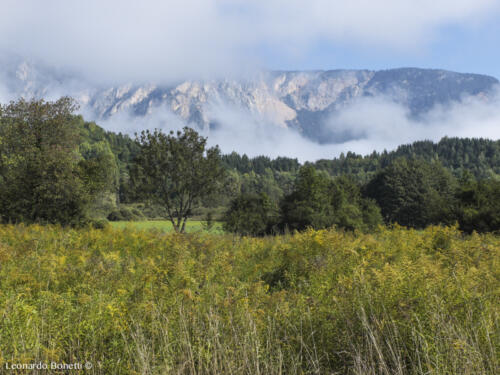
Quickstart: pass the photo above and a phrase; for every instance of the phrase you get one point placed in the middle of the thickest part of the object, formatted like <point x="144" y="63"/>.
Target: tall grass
<point x="322" y="302"/>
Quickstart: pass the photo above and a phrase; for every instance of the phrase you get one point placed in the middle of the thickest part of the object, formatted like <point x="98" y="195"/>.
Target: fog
<point x="368" y="124"/>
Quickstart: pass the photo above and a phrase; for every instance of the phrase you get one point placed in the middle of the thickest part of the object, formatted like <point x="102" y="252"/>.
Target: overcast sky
<point x="166" y="39"/>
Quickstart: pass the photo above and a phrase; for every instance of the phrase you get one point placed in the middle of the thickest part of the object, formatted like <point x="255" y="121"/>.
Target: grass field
<point x="393" y="302"/>
<point x="166" y="226"/>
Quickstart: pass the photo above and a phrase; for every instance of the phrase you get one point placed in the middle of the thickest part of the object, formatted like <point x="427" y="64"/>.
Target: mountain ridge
<point x="302" y="100"/>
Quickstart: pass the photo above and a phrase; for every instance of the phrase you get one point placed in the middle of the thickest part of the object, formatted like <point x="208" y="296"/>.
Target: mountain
<point x="298" y="99"/>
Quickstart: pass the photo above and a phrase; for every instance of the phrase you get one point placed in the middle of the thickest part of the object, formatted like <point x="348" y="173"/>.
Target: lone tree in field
<point x="176" y="171"/>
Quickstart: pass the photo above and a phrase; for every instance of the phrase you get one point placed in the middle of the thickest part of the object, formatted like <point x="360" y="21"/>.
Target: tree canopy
<point x="57" y="168"/>
<point x="319" y="201"/>
<point x="43" y="175"/>
<point x="176" y="170"/>
<point x="414" y="193"/>
<point x="251" y="214"/>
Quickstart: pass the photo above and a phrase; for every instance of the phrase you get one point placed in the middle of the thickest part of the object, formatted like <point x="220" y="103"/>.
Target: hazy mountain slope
<point x="302" y="100"/>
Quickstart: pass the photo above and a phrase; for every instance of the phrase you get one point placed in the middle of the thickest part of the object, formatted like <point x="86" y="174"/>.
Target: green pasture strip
<point x="166" y="226"/>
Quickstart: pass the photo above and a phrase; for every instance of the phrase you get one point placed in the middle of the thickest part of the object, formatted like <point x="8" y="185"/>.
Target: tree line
<point x="410" y="192"/>
<point x="57" y="168"/>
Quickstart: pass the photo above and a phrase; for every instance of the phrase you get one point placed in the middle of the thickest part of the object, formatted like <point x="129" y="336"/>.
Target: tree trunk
<point x="183" y="228"/>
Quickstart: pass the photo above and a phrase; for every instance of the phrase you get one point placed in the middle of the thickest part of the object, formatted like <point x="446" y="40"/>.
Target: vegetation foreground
<point x="396" y="301"/>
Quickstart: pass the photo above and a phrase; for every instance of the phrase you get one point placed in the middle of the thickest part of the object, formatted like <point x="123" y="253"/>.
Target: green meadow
<point x="166" y="226"/>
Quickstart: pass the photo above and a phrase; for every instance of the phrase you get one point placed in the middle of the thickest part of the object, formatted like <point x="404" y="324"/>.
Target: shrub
<point x="138" y="215"/>
<point x="250" y="215"/>
<point x="99" y="224"/>
<point x="115" y="216"/>
<point x="125" y="214"/>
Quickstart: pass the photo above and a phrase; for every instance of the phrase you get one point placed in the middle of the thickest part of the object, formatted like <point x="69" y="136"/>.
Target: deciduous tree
<point x="43" y="175"/>
<point x="176" y="170"/>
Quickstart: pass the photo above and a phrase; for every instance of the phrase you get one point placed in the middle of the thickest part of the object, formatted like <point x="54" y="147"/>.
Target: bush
<point x="251" y="215"/>
<point x="125" y="214"/>
<point x="99" y="224"/>
<point x="154" y="211"/>
<point x="115" y="216"/>
<point x="138" y="215"/>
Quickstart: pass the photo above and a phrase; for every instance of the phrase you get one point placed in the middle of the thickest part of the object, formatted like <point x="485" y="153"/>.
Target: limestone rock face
<point x="301" y="99"/>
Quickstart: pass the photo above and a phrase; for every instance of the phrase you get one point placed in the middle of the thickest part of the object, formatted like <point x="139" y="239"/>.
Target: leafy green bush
<point x="251" y="215"/>
<point x="99" y="224"/>
<point x="115" y="216"/>
<point x="138" y="215"/>
<point x="125" y="214"/>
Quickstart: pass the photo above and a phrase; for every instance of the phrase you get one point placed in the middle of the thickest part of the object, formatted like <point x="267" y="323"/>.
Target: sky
<point x="116" y="41"/>
<point x="460" y="47"/>
<point x="160" y="39"/>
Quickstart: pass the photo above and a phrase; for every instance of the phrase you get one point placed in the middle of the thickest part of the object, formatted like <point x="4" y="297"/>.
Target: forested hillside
<point x="303" y="100"/>
<point x="89" y="174"/>
<point x="480" y="157"/>
<point x="454" y="180"/>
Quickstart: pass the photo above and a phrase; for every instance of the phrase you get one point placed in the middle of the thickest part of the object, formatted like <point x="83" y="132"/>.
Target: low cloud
<point x="5" y="95"/>
<point x="126" y="122"/>
<point x="368" y="124"/>
<point x="379" y="123"/>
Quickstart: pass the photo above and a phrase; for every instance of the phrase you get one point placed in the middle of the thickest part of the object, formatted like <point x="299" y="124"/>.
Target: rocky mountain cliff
<point x="301" y="99"/>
